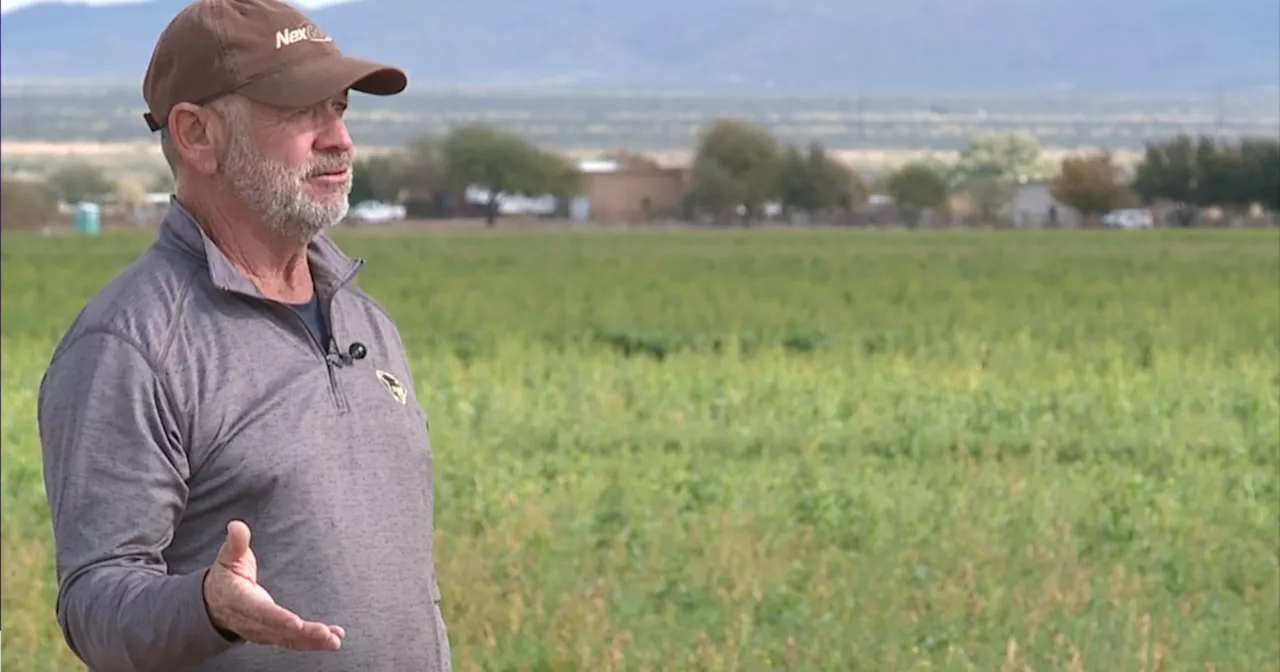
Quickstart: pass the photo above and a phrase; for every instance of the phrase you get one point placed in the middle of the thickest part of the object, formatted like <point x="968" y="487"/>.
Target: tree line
<point x="739" y="169"/>
<point x="430" y="175"/>
<point x="741" y="166"/>
<point x="1197" y="173"/>
<point x="32" y="203"/>
<point x="742" y="174"/>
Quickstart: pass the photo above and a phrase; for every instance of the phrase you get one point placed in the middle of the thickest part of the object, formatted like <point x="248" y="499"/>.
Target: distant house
<point x="1034" y="207"/>
<point x="629" y="189"/>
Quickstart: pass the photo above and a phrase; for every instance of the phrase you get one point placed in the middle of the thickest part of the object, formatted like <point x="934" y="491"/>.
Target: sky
<point x="6" y="5"/>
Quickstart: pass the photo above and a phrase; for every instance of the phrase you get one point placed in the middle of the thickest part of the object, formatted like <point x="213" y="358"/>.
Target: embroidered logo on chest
<point x="393" y="386"/>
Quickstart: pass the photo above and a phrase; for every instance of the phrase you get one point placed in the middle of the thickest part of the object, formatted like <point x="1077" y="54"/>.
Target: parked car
<point x="375" y="211"/>
<point x="1129" y="218"/>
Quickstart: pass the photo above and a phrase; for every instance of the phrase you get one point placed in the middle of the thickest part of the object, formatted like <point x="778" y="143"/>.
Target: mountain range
<point x="1140" y="46"/>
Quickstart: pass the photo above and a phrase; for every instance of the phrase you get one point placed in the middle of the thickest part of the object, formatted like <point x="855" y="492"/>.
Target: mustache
<point x="327" y="163"/>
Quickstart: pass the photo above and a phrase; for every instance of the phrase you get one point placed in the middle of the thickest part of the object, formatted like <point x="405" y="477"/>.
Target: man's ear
<point x="198" y="134"/>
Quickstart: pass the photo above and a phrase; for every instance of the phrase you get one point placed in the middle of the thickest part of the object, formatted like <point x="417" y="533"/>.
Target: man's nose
<point x="335" y="137"/>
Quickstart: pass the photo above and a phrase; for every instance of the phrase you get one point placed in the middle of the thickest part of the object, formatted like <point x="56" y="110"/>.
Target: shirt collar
<point x="331" y="268"/>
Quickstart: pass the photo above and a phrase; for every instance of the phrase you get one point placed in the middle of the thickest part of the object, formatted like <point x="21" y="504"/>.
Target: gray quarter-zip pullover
<point x="181" y="399"/>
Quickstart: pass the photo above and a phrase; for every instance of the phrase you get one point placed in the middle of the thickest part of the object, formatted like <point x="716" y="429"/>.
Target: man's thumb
<point x="236" y="545"/>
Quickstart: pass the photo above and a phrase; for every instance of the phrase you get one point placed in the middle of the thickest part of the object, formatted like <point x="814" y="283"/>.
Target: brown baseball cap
<point x="266" y="50"/>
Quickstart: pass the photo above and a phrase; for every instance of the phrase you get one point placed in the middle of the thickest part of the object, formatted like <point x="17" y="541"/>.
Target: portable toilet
<point x="88" y="219"/>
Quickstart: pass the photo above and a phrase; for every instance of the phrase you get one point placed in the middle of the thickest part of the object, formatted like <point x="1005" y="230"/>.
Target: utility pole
<point x="858" y="112"/>
<point x="1221" y="114"/>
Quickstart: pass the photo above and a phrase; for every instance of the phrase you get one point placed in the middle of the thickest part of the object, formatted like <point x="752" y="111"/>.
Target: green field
<point x="799" y="451"/>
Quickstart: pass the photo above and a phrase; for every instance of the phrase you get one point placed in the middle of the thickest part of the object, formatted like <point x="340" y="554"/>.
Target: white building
<point x="1034" y="207"/>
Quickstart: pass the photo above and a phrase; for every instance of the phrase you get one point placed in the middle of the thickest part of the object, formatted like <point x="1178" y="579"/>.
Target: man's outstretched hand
<point x="237" y="603"/>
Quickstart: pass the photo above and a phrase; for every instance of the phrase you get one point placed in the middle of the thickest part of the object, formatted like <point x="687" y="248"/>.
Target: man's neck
<point x="278" y="267"/>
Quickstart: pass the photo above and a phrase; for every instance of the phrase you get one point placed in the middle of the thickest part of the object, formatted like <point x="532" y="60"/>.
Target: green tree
<point x="161" y="182"/>
<point x="1217" y="169"/>
<point x="812" y="181"/>
<point x="1236" y="176"/>
<point x="413" y="175"/>
<point x="1260" y="159"/>
<point x="746" y="152"/>
<point x="991" y="167"/>
<point x="1200" y="172"/>
<point x="990" y="195"/>
<point x="1169" y="170"/>
<point x="27" y="204"/>
<point x="1176" y="170"/>
<point x="916" y="187"/>
<point x="81" y="182"/>
<point x="795" y="188"/>
<point x="423" y="171"/>
<point x="1002" y="157"/>
<point x="380" y="177"/>
<point x="1090" y="184"/>
<point x="714" y="190"/>
<point x="503" y="164"/>
<point x="130" y="192"/>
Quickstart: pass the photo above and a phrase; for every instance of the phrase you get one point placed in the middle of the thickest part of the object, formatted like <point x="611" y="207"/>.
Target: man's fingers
<point x="317" y="636"/>
<point x="251" y="611"/>
<point x="237" y="544"/>
<point x="312" y="636"/>
<point x="279" y="626"/>
<point x="271" y="617"/>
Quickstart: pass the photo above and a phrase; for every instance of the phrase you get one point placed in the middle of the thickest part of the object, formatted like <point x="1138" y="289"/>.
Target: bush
<point x="26" y="204"/>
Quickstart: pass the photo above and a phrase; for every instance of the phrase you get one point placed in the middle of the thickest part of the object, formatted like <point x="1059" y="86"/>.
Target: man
<point x="233" y="378"/>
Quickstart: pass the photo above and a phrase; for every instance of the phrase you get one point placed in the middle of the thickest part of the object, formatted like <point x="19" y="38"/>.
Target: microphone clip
<point x="356" y="350"/>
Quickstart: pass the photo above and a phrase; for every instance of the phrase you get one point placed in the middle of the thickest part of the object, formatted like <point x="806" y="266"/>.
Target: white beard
<point x="278" y="194"/>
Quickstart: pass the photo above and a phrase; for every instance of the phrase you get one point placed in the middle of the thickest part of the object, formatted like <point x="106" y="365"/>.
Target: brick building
<point x="630" y="189"/>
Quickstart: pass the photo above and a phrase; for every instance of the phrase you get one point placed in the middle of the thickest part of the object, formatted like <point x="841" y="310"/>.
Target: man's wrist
<point x="222" y="631"/>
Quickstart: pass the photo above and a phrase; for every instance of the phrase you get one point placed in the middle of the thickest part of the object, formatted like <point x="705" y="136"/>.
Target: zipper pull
<point x="336" y="357"/>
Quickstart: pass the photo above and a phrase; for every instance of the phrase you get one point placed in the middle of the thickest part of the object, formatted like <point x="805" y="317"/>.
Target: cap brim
<point x="311" y="82"/>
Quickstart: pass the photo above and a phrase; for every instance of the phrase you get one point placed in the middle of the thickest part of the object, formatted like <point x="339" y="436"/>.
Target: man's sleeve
<point x="115" y="471"/>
